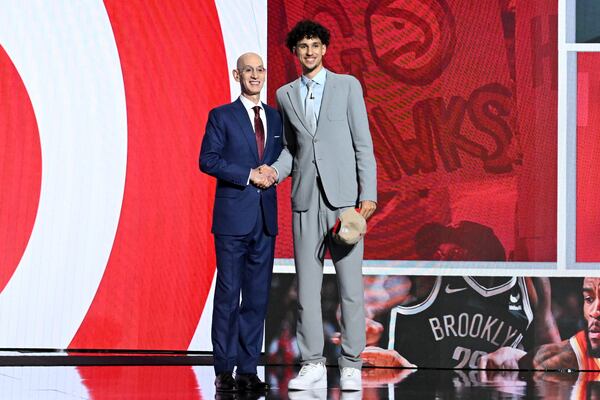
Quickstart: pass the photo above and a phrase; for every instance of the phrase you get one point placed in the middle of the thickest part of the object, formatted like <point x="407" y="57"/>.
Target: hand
<point x="503" y="358"/>
<point x="269" y="171"/>
<point x="260" y="180"/>
<point x="378" y="357"/>
<point x="367" y="208"/>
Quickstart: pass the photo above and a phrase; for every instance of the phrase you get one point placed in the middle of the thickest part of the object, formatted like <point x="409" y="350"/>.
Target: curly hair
<point x="306" y="29"/>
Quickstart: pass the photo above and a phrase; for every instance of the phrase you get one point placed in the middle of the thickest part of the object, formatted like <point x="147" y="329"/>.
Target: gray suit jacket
<point x="341" y="149"/>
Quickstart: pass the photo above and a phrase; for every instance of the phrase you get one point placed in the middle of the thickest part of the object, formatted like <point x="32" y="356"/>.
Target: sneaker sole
<point x="351" y="388"/>
<point x="316" y="385"/>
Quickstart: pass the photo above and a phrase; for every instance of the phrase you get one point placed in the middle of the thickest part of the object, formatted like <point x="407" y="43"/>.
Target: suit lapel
<point x="293" y="93"/>
<point x="328" y="92"/>
<point x="241" y="115"/>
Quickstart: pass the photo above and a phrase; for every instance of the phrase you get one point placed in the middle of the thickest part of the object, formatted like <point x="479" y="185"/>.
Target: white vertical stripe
<point x="244" y="29"/>
<point x="66" y="54"/>
<point x="201" y="340"/>
<point x="562" y="207"/>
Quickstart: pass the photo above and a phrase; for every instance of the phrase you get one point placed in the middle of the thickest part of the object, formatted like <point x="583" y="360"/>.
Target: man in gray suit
<point x="329" y="153"/>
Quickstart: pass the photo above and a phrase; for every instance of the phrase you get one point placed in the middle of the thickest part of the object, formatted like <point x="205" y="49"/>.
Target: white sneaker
<point x="311" y="376"/>
<point x="350" y="379"/>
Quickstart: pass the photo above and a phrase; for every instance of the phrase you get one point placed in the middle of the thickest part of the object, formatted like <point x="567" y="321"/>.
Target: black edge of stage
<point x="87" y="357"/>
<point x="53" y="357"/>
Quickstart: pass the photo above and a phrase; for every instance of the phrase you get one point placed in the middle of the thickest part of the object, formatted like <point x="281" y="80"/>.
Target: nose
<point x="595" y="309"/>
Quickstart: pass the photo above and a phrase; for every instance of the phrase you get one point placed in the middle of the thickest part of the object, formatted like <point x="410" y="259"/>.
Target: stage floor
<point x="196" y="382"/>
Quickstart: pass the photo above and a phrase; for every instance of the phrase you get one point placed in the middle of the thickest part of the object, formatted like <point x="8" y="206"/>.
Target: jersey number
<point x="467" y="357"/>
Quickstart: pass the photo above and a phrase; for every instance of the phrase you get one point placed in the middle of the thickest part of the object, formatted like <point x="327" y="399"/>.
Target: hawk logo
<point x="412" y="43"/>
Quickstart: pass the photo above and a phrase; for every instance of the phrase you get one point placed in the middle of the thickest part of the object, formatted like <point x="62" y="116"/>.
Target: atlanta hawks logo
<point x="411" y="41"/>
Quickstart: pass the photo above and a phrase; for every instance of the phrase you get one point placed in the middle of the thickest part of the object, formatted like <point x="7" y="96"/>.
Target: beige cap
<point x="350" y="227"/>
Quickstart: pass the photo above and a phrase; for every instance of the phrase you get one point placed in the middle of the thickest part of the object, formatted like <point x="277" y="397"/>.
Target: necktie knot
<point x="256" y="110"/>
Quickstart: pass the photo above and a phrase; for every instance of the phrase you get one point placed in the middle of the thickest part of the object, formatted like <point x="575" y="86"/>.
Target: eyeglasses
<point x="249" y="70"/>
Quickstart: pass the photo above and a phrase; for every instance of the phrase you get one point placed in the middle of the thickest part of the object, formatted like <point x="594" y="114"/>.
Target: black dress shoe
<point x="224" y="382"/>
<point x="250" y="383"/>
<point x="227" y="396"/>
<point x="250" y="395"/>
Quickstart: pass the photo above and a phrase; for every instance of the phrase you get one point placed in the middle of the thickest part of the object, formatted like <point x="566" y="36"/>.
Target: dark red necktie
<point x="259" y="130"/>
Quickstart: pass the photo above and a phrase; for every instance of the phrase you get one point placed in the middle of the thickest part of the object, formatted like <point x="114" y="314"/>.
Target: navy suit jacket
<point x="228" y="153"/>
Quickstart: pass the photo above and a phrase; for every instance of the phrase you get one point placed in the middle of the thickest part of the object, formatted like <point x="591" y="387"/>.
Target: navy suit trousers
<point x="244" y="266"/>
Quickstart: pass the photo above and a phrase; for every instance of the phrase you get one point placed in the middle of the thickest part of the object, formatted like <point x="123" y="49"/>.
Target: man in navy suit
<point x="239" y="138"/>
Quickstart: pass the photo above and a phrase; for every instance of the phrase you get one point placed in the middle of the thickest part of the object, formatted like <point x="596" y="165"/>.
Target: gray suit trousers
<point x="311" y="236"/>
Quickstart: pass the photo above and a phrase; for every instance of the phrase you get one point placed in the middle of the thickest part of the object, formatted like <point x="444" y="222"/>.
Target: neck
<point x="312" y="73"/>
<point x="255" y="98"/>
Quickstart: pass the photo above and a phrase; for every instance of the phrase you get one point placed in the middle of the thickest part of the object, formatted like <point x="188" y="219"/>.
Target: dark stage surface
<point x="63" y="376"/>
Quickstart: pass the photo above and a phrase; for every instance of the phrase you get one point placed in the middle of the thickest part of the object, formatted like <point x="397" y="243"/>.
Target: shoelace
<point x="306" y="368"/>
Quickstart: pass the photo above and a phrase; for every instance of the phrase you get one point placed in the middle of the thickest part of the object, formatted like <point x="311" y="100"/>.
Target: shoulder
<point x="284" y="89"/>
<point x="343" y="78"/>
<point x="223" y="109"/>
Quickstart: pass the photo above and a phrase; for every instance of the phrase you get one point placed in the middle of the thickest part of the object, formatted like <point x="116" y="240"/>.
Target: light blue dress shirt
<point x="318" y="89"/>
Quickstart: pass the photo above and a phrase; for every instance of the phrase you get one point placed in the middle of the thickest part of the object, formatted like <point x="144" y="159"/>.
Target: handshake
<point x="263" y="176"/>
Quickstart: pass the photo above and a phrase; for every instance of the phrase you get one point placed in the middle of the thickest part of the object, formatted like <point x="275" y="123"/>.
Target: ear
<point x="236" y="75"/>
<point x="324" y="49"/>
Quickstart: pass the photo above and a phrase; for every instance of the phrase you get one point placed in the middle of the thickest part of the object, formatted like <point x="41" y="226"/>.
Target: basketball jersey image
<point x="460" y="321"/>
<point x="579" y="343"/>
<point x="587" y="386"/>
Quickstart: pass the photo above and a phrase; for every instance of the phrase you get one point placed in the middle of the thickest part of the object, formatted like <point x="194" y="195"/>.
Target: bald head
<point x="248" y="59"/>
<point x="250" y="73"/>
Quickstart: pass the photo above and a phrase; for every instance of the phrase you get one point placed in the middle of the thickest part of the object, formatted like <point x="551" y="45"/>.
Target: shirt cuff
<point x="276" y="172"/>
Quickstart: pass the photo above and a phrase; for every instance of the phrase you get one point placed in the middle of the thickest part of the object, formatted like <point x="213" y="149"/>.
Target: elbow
<point x="202" y="164"/>
<point x="206" y="165"/>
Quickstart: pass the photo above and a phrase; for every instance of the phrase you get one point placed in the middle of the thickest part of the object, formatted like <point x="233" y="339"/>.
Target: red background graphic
<point x="141" y="382"/>
<point x="537" y="105"/>
<point x="161" y="265"/>
<point x="462" y="109"/>
<point x="588" y="157"/>
<point x="20" y="168"/>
